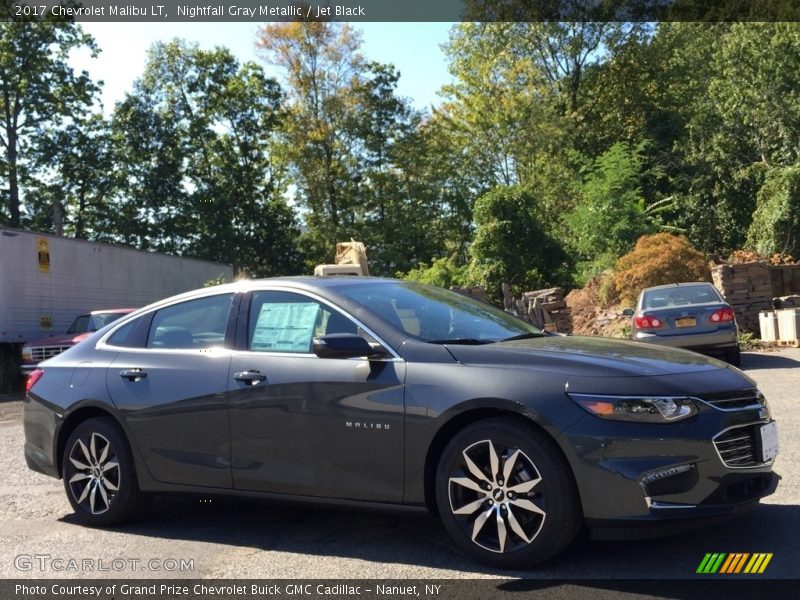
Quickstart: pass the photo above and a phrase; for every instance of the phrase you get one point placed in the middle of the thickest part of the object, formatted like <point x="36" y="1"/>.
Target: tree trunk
<point x="13" y="183"/>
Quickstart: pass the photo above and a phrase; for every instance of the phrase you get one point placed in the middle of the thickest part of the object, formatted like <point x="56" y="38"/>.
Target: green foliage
<point x="41" y="94"/>
<point x="776" y="222"/>
<point x="593" y="133"/>
<point x="610" y="215"/>
<point x="195" y="140"/>
<point x="748" y="341"/>
<point x="218" y="280"/>
<point x="444" y="272"/>
<point x="512" y="245"/>
<point x="658" y="259"/>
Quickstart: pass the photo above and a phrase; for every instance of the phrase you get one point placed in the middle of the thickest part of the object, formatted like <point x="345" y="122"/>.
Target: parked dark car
<point x="687" y="315"/>
<point x="35" y="351"/>
<point x="389" y="393"/>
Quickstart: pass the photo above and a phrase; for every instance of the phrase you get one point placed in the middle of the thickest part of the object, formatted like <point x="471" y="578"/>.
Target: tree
<point x="74" y="194"/>
<point x="38" y="90"/>
<point x="776" y="222"/>
<point x="323" y="69"/>
<point x="511" y="245"/>
<point x="198" y="135"/>
<point x="610" y="216"/>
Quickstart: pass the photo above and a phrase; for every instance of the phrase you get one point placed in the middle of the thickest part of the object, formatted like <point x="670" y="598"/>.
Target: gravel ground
<point x="247" y="539"/>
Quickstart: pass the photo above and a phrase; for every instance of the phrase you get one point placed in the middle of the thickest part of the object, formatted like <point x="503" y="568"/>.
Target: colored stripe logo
<point x="734" y="563"/>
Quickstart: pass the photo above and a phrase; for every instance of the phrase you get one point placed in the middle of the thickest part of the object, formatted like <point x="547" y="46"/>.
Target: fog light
<point x="664" y="473"/>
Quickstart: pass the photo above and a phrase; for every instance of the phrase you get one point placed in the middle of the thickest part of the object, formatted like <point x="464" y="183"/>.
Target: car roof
<point x="304" y="281"/>
<point x="106" y="311"/>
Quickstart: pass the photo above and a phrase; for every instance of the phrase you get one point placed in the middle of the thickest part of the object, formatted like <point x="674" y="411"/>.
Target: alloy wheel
<point x="495" y="496"/>
<point x="94" y="473"/>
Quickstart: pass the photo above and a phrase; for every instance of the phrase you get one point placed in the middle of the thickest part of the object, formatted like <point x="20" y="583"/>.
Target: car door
<point x="305" y="425"/>
<point x="169" y="379"/>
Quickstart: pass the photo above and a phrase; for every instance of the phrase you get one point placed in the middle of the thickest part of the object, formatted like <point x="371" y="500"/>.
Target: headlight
<point x="27" y="354"/>
<point x="639" y="409"/>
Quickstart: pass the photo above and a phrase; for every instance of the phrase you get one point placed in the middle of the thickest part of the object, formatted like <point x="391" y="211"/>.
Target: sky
<point x="414" y="48"/>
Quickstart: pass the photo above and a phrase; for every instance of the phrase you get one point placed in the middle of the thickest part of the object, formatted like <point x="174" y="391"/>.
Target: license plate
<point x="686" y="322"/>
<point x="769" y="441"/>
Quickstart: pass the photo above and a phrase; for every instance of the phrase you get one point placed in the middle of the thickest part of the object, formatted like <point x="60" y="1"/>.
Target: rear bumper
<point x="720" y="339"/>
<point x="41" y="424"/>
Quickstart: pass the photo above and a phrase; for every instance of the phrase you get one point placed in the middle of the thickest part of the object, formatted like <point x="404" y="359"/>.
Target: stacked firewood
<point x="747" y="287"/>
<point x="473" y="291"/>
<point x="545" y="309"/>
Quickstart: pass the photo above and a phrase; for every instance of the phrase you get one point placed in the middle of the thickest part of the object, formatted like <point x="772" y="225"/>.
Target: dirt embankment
<point x="596" y="311"/>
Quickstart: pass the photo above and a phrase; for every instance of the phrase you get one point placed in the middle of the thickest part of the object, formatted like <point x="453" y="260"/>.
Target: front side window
<point x="288" y="322"/>
<point x="196" y="324"/>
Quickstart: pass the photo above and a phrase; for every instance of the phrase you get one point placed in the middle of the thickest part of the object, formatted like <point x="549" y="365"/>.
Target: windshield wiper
<point x="462" y="341"/>
<point x="524" y="336"/>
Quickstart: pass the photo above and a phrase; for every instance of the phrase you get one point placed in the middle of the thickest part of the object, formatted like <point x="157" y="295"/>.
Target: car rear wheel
<point x="506" y="495"/>
<point x="734" y="356"/>
<point x="99" y="475"/>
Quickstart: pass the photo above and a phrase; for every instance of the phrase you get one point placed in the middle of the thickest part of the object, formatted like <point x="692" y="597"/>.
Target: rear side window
<point x="131" y="335"/>
<point x="196" y="324"/>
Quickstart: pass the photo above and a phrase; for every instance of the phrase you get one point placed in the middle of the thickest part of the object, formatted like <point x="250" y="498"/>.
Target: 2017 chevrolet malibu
<point x="383" y="392"/>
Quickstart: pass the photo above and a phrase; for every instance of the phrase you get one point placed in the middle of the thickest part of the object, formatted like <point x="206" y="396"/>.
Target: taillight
<point x="35" y="376"/>
<point x="647" y="322"/>
<point x="722" y="315"/>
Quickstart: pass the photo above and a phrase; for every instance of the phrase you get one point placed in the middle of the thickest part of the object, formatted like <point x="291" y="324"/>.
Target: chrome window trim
<point x="103" y="344"/>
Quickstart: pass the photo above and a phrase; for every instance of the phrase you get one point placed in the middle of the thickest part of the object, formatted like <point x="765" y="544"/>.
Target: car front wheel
<point x="99" y="475"/>
<point x="506" y="494"/>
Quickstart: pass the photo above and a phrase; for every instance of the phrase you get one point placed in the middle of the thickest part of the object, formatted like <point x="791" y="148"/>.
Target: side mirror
<point x="344" y="345"/>
<point x="628" y="312"/>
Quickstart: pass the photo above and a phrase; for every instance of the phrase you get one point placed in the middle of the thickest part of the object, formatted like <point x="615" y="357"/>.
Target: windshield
<point x="433" y="314"/>
<point x="86" y="323"/>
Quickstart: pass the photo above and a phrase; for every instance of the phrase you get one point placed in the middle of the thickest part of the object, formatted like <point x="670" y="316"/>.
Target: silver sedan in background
<point x="687" y="315"/>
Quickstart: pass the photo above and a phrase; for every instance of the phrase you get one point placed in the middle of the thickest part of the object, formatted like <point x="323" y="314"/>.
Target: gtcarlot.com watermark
<point x="50" y="563"/>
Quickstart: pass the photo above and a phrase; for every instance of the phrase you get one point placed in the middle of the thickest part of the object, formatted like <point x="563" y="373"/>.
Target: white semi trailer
<point x="46" y="280"/>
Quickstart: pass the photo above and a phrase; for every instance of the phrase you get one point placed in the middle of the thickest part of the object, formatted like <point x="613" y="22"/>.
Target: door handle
<point x="249" y="377"/>
<point x="133" y="374"/>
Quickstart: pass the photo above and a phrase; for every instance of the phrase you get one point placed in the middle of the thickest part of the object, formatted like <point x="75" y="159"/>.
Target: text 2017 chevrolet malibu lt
<point x="384" y="392"/>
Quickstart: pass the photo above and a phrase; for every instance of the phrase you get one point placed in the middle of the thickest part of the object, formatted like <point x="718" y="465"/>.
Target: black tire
<point x="555" y="495"/>
<point x="99" y="474"/>
<point x="734" y="356"/>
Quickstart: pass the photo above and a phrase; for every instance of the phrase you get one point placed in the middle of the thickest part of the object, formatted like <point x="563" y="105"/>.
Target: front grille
<point x="41" y="353"/>
<point x="737" y="446"/>
<point x="734" y="400"/>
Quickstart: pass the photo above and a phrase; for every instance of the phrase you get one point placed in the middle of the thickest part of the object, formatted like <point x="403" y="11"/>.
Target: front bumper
<point x="639" y="480"/>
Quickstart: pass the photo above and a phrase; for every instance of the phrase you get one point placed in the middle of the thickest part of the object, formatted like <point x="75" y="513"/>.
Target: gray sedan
<point x="687" y="315"/>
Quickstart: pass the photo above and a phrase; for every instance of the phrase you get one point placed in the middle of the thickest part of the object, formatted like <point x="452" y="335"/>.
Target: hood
<point x="66" y="339"/>
<point x="587" y="356"/>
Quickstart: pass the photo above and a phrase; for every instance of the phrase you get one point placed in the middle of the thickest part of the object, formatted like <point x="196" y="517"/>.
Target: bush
<point x="443" y="272"/>
<point x="657" y="260"/>
<point x="776" y="222"/>
<point x="511" y="244"/>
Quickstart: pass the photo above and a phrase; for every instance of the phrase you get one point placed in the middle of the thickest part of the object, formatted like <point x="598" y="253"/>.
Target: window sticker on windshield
<point x="285" y="326"/>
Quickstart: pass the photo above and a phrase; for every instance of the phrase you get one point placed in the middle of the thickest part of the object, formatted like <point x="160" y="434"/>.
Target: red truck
<point x="36" y="351"/>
